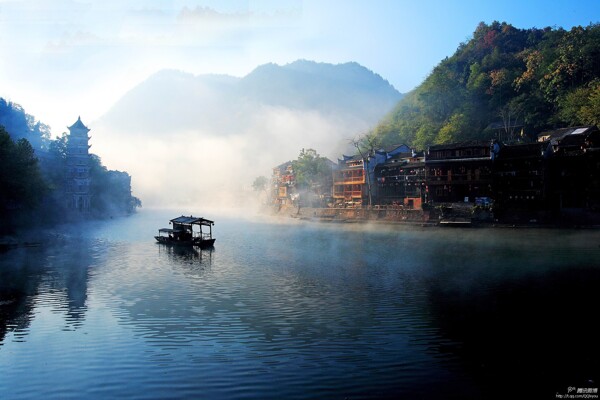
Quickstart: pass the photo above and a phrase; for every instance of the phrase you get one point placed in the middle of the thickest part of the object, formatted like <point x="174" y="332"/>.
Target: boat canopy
<point x="183" y="220"/>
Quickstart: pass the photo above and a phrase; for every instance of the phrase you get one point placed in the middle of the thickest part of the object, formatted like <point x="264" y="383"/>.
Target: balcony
<point x="348" y="195"/>
<point x="350" y="181"/>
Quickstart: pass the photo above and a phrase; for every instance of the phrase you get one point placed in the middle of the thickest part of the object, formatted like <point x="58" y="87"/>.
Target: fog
<point x="208" y="168"/>
<point x="200" y="141"/>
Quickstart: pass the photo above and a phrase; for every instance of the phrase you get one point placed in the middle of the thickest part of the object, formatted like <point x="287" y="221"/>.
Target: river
<point x="282" y="309"/>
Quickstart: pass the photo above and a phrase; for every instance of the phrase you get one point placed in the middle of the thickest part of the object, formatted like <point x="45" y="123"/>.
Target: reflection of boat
<point x="184" y="234"/>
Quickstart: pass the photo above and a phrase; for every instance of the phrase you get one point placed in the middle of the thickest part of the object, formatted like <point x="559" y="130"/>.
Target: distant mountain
<point x="175" y="100"/>
<point x="226" y="131"/>
<point x="342" y="88"/>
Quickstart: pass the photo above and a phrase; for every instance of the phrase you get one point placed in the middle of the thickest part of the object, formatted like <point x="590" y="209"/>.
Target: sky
<point x="61" y="59"/>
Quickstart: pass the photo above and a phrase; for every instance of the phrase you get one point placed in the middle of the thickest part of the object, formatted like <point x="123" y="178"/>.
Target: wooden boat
<point x="183" y="233"/>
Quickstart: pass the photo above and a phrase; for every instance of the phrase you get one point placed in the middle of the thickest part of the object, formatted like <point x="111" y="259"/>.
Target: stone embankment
<point x="374" y="214"/>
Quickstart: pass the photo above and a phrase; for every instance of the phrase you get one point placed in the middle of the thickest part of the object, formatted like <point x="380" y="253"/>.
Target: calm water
<point x="300" y="311"/>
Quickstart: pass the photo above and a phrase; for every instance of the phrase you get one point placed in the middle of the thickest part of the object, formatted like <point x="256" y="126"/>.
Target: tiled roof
<point x="78" y="125"/>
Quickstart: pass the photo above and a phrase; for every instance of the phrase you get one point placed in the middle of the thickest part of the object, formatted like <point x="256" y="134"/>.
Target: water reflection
<point x="304" y="312"/>
<point x="50" y="276"/>
<point x="518" y="312"/>
<point x="19" y="282"/>
<point x="187" y="255"/>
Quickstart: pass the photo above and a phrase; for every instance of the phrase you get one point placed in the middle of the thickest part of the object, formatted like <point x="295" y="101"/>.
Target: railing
<point x="459" y="178"/>
<point x="348" y="180"/>
<point x="350" y="194"/>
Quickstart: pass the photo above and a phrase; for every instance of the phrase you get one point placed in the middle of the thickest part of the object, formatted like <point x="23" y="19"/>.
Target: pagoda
<point x="78" y="168"/>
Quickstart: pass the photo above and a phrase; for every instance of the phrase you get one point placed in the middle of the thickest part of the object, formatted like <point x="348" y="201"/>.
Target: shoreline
<point x="417" y="218"/>
<point x="39" y="236"/>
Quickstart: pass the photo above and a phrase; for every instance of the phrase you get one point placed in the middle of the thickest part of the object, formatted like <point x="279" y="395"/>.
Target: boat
<point x="183" y="233"/>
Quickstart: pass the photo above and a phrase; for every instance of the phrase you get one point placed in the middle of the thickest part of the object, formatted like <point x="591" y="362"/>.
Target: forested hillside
<point x="32" y="175"/>
<point x="504" y="83"/>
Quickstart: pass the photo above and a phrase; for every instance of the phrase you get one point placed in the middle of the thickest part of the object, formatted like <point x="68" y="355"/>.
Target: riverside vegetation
<point x="32" y="170"/>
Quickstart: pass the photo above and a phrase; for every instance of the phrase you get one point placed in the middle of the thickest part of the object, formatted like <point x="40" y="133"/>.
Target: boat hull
<point x="202" y="243"/>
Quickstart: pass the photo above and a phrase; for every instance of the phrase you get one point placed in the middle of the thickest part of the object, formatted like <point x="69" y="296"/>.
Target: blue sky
<point x="64" y="58"/>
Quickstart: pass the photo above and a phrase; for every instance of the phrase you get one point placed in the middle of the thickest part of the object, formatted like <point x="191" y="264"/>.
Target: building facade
<point x="573" y="167"/>
<point x="401" y="181"/>
<point x="355" y="180"/>
<point x="459" y="172"/>
<point x="520" y="176"/>
<point x="349" y="182"/>
<point x="283" y="182"/>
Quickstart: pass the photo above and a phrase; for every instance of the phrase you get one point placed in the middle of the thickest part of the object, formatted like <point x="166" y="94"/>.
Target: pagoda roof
<point x="78" y="125"/>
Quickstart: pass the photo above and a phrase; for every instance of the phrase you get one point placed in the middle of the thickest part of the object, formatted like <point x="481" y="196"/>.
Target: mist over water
<point x="211" y="168"/>
<point x="282" y="309"/>
<point x="198" y="140"/>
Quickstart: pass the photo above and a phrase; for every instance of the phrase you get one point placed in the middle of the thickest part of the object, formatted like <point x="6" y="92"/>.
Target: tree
<point x="453" y="130"/>
<point x="21" y="183"/>
<point x="20" y="125"/>
<point x="54" y="165"/>
<point x="510" y="115"/>
<point x="590" y="112"/>
<point x="260" y="184"/>
<point x="110" y="190"/>
<point x="313" y="173"/>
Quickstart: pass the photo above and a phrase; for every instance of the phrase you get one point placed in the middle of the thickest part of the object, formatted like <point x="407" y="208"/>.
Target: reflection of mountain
<point x="55" y="277"/>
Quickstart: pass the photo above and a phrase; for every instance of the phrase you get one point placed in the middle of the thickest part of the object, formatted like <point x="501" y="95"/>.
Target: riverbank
<point x="49" y="234"/>
<point x="448" y="215"/>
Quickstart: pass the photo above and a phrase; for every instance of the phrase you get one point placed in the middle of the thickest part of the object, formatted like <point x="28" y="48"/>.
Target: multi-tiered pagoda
<point x="78" y="168"/>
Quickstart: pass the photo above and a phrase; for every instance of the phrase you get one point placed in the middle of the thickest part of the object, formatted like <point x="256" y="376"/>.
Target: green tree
<point x="311" y="169"/>
<point x="110" y="190"/>
<point x="21" y="184"/>
<point x="453" y="130"/>
<point x="589" y="113"/>
<point x="313" y="174"/>
<point x="260" y="184"/>
<point x="54" y="165"/>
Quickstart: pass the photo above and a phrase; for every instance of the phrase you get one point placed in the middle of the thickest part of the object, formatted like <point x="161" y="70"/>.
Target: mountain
<point x="175" y="100"/>
<point x="503" y="81"/>
<point x="344" y="88"/>
<point x="174" y="121"/>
